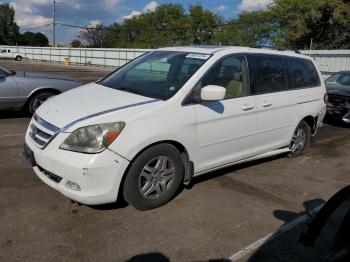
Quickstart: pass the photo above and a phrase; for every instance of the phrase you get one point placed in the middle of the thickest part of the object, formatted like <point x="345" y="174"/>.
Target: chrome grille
<point x="42" y="132"/>
<point x="38" y="135"/>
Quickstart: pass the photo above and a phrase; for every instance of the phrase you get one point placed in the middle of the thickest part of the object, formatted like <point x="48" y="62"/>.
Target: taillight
<point x="325" y="99"/>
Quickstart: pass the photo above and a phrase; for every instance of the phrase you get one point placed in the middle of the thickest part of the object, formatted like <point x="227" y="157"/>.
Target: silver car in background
<point x="28" y="90"/>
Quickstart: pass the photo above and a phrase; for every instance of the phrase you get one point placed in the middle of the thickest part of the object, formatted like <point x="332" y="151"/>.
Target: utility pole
<point x="311" y="43"/>
<point x="54" y="23"/>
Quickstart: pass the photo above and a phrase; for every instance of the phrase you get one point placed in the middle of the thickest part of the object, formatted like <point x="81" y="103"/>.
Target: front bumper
<point x="342" y="113"/>
<point x="98" y="175"/>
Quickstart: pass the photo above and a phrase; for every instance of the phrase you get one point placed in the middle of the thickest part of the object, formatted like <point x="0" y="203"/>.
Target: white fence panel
<point x="113" y="57"/>
<point x="329" y="61"/>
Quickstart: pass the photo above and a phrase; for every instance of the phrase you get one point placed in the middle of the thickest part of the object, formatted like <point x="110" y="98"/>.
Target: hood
<point x="338" y="90"/>
<point x="89" y="102"/>
<point x="43" y="75"/>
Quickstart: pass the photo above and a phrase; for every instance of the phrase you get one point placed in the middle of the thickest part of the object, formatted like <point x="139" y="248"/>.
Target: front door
<point x="225" y="128"/>
<point x="9" y="92"/>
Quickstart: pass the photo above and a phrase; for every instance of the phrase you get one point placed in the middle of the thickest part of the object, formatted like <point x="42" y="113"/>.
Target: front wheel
<point x="18" y="58"/>
<point x="37" y="100"/>
<point x="300" y="140"/>
<point x="154" y="177"/>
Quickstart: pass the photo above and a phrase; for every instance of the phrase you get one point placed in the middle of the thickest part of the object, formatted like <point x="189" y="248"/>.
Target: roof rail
<point x="275" y="48"/>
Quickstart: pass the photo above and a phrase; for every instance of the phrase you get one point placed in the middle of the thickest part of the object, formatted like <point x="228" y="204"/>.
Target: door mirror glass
<point x="213" y="93"/>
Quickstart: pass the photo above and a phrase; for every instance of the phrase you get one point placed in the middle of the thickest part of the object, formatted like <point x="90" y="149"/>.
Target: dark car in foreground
<point x="338" y="90"/>
<point x="28" y="90"/>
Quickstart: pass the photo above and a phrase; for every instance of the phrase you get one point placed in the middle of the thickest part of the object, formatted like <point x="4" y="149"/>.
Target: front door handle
<point x="247" y="107"/>
<point x="266" y="104"/>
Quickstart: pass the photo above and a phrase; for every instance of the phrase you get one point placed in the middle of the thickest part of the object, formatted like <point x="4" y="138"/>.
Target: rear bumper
<point x="98" y="176"/>
<point x="320" y="119"/>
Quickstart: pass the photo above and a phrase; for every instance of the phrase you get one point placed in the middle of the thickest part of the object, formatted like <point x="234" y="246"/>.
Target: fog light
<point x="73" y="186"/>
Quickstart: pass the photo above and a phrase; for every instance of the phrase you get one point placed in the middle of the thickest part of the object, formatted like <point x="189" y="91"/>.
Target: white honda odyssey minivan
<point x="173" y="114"/>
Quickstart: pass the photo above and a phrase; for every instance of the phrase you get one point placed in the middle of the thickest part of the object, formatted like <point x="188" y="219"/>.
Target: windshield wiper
<point x="129" y="90"/>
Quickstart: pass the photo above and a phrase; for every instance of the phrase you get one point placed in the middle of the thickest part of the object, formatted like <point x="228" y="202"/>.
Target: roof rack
<point x="276" y="48"/>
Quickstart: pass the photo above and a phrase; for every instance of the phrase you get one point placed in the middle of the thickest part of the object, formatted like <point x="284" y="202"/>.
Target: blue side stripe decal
<point x="64" y="129"/>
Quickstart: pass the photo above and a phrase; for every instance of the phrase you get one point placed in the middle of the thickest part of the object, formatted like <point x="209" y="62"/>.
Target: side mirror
<point x="213" y="93"/>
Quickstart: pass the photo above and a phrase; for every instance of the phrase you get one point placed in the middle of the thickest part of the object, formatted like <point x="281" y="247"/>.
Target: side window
<point x="270" y="73"/>
<point x="304" y="73"/>
<point x="231" y="73"/>
<point x="3" y="51"/>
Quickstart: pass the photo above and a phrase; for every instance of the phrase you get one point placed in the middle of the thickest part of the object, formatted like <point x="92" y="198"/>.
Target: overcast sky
<point x="33" y="13"/>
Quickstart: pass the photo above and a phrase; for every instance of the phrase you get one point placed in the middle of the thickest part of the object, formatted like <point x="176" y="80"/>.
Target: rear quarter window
<point x="304" y="73"/>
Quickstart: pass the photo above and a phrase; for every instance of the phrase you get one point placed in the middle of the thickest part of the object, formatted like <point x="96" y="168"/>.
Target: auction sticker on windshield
<point x="197" y="56"/>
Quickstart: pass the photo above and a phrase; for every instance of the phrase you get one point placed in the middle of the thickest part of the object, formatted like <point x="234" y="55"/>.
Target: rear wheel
<point x="37" y="100"/>
<point x="154" y="177"/>
<point x="18" y="58"/>
<point x="300" y="140"/>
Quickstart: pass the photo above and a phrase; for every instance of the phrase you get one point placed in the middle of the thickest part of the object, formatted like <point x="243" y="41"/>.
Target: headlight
<point x="93" y="139"/>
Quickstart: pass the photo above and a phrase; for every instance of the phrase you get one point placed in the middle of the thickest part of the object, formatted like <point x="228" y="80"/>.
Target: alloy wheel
<point x="156" y="177"/>
<point x="298" y="140"/>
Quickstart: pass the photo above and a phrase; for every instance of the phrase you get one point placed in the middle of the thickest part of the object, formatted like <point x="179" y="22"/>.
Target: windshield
<point x="339" y="79"/>
<point x="159" y="74"/>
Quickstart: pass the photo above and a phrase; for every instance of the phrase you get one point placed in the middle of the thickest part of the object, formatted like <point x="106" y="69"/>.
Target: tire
<point x="154" y="177"/>
<point x="18" y="58"/>
<point x="37" y="100"/>
<point x="300" y="140"/>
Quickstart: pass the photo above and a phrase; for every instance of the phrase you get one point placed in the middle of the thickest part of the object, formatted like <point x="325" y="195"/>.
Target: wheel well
<point x="311" y="121"/>
<point x="178" y="146"/>
<point x="185" y="157"/>
<point x="40" y="91"/>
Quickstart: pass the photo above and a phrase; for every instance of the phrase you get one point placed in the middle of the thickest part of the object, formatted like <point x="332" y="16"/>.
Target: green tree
<point x="33" y="39"/>
<point x="203" y="24"/>
<point x="39" y="39"/>
<point x="165" y="26"/>
<point x="9" y="30"/>
<point x="95" y="36"/>
<point x="323" y="22"/>
<point x="293" y="24"/>
<point x="75" y="43"/>
<point x="250" y="29"/>
<point x="170" y="24"/>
